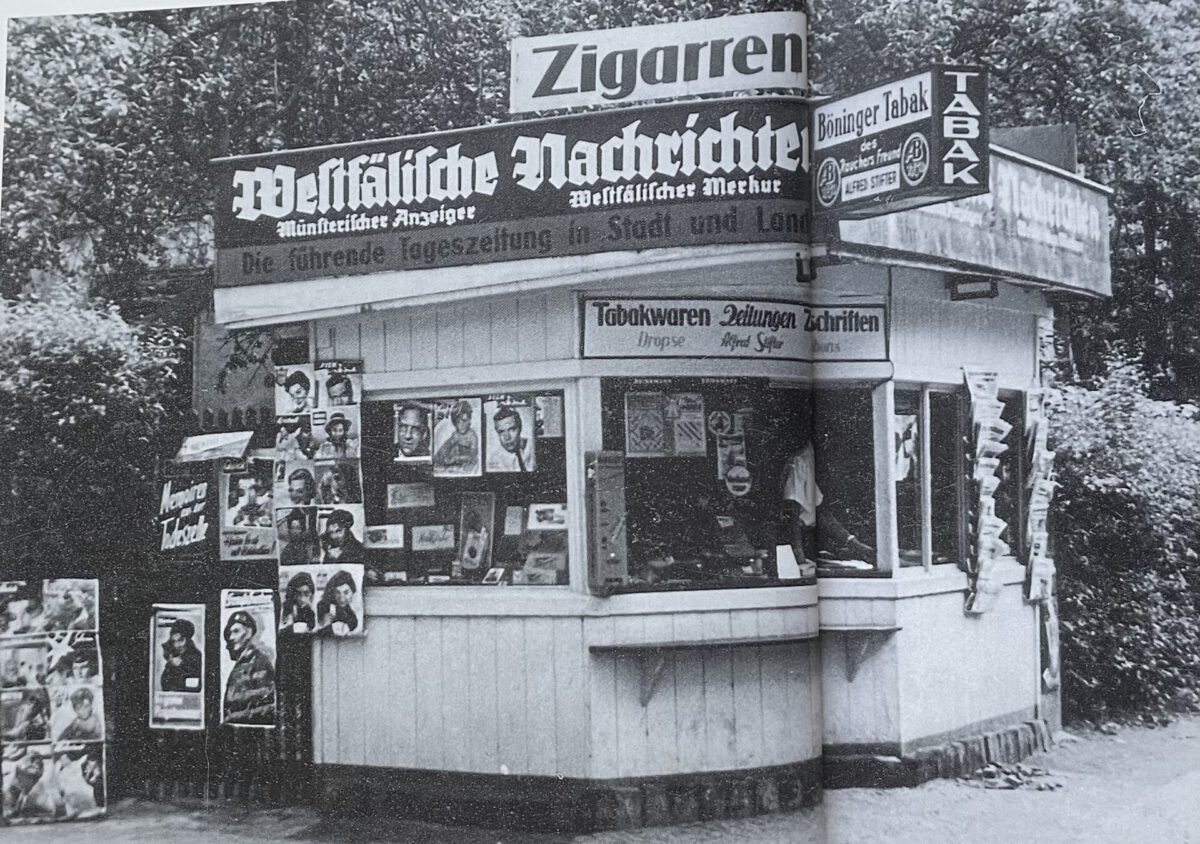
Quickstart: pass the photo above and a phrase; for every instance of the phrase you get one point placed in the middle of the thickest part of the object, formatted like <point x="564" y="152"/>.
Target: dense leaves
<point x="1126" y="529"/>
<point x="86" y="402"/>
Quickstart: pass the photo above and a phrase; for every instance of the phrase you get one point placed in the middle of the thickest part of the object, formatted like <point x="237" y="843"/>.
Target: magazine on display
<point x="177" y="651"/>
<point x="248" y="657"/>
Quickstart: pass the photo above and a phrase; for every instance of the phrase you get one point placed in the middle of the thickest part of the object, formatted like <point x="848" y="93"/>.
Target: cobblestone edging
<point x="957" y="758"/>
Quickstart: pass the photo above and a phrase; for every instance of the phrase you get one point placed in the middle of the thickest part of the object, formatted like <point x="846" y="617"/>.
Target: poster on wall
<point x="325" y="600"/>
<point x="72" y="657"/>
<point x="336" y="433"/>
<point x="341" y="533"/>
<point x="339" y="383"/>
<point x="20" y="607"/>
<point x="77" y="712"/>
<point x="71" y="604"/>
<point x="187" y="511"/>
<point x="247" y="505"/>
<point x="294" y="391"/>
<point x="411" y="432"/>
<point x="510" y="426"/>
<point x="30" y="794"/>
<point x="339" y="482"/>
<point x="177" y="667"/>
<point x="476" y="527"/>
<point x="293" y="438"/>
<point x="80" y="780"/>
<point x="248" y="657"/>
<point x="296" y="530"/>
<point x="457" y="450"/>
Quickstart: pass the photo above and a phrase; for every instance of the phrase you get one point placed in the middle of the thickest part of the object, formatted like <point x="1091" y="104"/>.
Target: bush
<point x="86" y="403"/>
<point x="1126" y="528"/>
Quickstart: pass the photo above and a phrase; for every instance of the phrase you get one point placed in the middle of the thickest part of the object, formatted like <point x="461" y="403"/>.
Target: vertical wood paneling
<point x="531" y="339"/>
<point x="458" y="720"/>
<point x="539" y="693"/>
<point x="481" y="691"/>
<point x="397" y="341"/>
<point x="560" y="325"/>
<point x="330" y="703"/>
<point x="631" y="715"/>
<point x="510" y="684"/>
<point x="570" y="698"/>
<point x="780" y="714"/>
<point x="477" y="333"/>
<point x="718" y="694"/>
<point x="449" y="336"/>
<point x="602" y="681"/>
<point x="423" y="341"/>
<point x="662" y="739"/>
<point x="358" y="683"/>
<point x="371" y="334"/>
<point x="430" y="750"/>
<point x="799" y="679"/>
<point x="403" y="664"/>
<point x="505" y="329"/>
<point x="747" y="692"/>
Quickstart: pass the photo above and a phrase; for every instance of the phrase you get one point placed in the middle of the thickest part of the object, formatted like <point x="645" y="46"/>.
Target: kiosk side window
<point x="715" y="472"/>
<point x="466" y="490"/>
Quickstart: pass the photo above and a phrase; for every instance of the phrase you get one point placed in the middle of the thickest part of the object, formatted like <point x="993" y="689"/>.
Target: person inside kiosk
<point x="725" y="484"/>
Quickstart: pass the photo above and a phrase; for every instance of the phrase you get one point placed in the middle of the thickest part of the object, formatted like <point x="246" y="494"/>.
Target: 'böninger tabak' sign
<point x="910" y="142"/>
<point x="711" y="172"/>
<point x="733" y="328"/>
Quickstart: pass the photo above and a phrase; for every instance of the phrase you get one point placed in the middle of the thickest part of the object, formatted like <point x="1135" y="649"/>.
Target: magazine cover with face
<point x="339" y="482"/>
<point x="23" y="661"/>
<point x="337" y="432"/>
<point x="177" y="667"/>
<point x="27" y="780"/>
<point x="339" y="383"/>
<point x="295" y="389"/>
<point x="247" y="520"/>
<point x="294" y="437"/>
<point x="21" y="607"/>
<point x="248" y="657"/>
<point x="295" y="483"/>
<point x="24" y="716"/>
<point x="77" y="712"/>
<point x="412" y="434"/>
<point x="510" y="427"/>
<point x="71" y="604"/>
<point x="323" y="599"/>
<point x="457" y="447"/>
<point x="296" y="528"/>
<point x="341" y="533"/>
<point x="73" y="657"/>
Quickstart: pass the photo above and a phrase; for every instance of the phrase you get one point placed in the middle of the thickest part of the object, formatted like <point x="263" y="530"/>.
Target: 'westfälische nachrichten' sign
<point x="907" y="143"/>
<point x="710" y="172"/>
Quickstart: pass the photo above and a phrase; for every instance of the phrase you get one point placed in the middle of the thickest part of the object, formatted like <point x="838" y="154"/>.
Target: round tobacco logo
<point x="738" y="481"/>
<point x="914" y="159"/>
<point x="829" y="182"/>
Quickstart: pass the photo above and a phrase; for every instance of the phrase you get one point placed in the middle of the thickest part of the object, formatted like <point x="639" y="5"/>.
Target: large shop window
<point x="725" y="483"/>
<point x="466" y="490"/>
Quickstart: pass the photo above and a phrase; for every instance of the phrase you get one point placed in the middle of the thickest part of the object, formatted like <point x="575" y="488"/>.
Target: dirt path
<point x="1139" y="786"/>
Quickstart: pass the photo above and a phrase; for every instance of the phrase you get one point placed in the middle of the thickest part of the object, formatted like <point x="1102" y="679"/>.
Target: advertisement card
<point x="457" y="450"/>
<point x="248" y="657"/>
<point x="325" y="600"/>
<point x="177" y="667"/>
<point x="510" y="428"/>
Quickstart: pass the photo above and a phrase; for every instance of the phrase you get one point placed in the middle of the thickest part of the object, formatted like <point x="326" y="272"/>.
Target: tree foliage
<point x="1127" y="526"/>
<point x="86" y="402"/>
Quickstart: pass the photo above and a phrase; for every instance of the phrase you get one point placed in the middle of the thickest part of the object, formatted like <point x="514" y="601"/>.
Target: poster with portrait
<point x="510" y="427"/>
<point x="340" y="533"/>
<point x="21" y="607"/>
<point x="457" y="447"/>
<point x="412" y="435"/>
<point x="296" y="534"/>
<point x="294" y="438"/>
<point x="27" y="783"/>
<point x="76" y="712"/>
<point x="80" y="780"/>
<point x="548" y="416"/>
<point x="339" y="383"/>
<point x="73" y="657"/>
<point x="23" y="661"/>
<point x="248" y="657"/>
<point x="24" y="715"/>
<point x="295" y="483"/>
<point x="247" y="510"/>
<point x="177" y="667"/>
<point x="339" y="482"/>
<point x="477" y="524"/>
<point x="337" y="432"/>
<point x="71" y="604"/>
<point x="325" y="600"/>
<point x="295" y="390"/>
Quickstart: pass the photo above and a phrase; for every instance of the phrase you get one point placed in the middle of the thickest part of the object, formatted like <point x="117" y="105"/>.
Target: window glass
<point x="1010" y="493"/>
<point x="723" y="483"/>
<point x="466" y="490"/>
<point x="906" y="451"/>
<point x="947" y="474"/>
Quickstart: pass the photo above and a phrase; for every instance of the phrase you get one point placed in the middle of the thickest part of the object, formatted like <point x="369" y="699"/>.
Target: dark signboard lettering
<point x="711" y="172"/>
<point x="187" y="511"/>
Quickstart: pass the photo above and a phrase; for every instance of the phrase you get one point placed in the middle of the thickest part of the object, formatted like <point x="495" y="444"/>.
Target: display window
<point x="949" y="474"/>
<point x="725" y="483"/>
<point x="468" y="489"/>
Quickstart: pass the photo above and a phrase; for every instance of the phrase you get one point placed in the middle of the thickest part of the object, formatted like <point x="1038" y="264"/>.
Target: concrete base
<point x="565" y="805"/>
<point x="951" y="759"/>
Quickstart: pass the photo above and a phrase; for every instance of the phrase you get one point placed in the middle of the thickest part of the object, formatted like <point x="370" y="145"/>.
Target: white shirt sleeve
<point x="800" y="484"/>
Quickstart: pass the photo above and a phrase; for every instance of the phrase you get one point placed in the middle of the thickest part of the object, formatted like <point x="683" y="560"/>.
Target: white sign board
<point x="734" y="328"/>
<point x="627" y="65"/>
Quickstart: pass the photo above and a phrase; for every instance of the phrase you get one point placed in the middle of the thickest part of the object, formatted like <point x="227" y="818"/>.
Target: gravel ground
<point x="1136" y="786"/>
